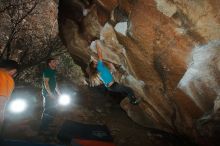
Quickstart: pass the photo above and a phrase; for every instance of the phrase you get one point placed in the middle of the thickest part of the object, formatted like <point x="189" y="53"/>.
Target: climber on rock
<point x="100" y="70"/>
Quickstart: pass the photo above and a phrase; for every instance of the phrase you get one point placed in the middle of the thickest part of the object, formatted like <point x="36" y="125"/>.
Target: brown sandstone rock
<point x="154" y="56"/>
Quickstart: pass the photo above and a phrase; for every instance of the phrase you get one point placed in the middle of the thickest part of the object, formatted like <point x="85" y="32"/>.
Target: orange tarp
<point x="85" y="142"/>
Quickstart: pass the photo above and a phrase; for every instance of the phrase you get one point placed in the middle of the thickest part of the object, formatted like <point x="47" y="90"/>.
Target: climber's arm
<point x="99" y="51"/>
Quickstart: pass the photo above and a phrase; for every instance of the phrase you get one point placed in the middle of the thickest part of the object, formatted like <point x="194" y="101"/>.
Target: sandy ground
<point x="89" y="105"/>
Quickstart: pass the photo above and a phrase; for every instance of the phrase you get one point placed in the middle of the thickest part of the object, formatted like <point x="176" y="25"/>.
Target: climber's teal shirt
<point x="104" y="73"/>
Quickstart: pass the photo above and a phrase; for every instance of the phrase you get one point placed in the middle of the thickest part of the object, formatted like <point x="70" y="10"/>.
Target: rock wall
<point x="30" y="21"/>
<point x="152" y="44"/>
<point x="29" y="32"/>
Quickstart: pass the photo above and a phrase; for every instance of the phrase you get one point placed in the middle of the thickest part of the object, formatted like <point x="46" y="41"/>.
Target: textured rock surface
<point x="41" y="22"/>
<point x="30" y="30"/>
<point x="153" y="56"/>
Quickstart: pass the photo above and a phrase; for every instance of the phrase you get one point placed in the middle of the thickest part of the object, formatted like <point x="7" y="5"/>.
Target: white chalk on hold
<point x="93" y="45"/>
<point x="85" y="12"/>
<point x="121" y="27"/>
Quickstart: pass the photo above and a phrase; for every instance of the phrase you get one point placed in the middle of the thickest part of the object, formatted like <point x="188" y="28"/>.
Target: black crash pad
<point x="9" y="142"/>
<point x="75" y="130"/>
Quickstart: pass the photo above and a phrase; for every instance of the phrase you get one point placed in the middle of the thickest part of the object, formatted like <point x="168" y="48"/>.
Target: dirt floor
<point x="89" y="105"/>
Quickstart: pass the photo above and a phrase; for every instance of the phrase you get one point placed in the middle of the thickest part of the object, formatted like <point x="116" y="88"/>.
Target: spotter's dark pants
<point x="3" y="105"/>
<point x="118" y="88"/>
<point x="49" y="112"/>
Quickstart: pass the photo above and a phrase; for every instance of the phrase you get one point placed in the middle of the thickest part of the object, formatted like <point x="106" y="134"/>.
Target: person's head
<point x="93" y="64"/>
<point x="10" y="66"/>
<point x="92" y="67"/>
<point x="52" y="63"/>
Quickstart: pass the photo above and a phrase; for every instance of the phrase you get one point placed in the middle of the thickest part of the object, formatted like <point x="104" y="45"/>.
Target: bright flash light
<point x="64" y="99"/>
<point x="18" y="106"/>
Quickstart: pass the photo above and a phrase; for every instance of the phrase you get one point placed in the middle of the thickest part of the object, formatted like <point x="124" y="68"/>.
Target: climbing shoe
<point x="135" y="101"/>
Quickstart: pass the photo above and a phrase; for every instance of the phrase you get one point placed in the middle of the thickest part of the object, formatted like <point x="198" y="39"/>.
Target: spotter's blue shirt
<point x="104" y="73"/>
